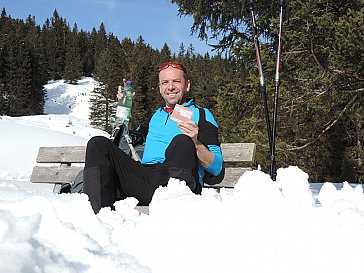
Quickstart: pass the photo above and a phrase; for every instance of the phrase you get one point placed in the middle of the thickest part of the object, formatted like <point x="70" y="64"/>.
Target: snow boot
<point x="99" y="186"/>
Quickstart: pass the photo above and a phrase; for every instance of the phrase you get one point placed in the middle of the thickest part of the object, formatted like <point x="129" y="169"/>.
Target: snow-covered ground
<point x="261" y="226"/>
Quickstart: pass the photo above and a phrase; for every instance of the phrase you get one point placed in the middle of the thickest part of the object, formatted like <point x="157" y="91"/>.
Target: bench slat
<point x="63" y="175"/>
<point x="49" y="174"/>
<point x="69" y="154"/>
<point x="238" y="152"/>
<point x="143" y="209"/>
<point x="232" y="152"/>
<point x="231" y="178"/>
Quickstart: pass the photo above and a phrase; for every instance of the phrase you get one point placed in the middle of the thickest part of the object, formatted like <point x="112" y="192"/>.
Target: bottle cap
<point x="129" y="82"/>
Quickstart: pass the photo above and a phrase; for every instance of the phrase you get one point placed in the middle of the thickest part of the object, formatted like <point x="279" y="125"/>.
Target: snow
<point x="260" y="226"/>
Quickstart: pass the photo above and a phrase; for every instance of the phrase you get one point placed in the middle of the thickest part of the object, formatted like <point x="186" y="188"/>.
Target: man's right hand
<point x="119" y="95"/>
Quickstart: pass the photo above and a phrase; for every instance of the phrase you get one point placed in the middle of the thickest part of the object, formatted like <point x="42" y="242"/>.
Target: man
<point x="184" y="150"/>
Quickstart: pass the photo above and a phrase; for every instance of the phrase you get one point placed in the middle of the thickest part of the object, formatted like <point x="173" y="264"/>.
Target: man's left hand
<point x="190" y="129"/>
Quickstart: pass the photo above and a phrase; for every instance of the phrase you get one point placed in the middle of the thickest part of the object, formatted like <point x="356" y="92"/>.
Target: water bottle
<point x="123" y="110"/>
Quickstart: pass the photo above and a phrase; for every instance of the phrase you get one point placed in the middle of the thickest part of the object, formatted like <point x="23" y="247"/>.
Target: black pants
<point x="111" y="175"/>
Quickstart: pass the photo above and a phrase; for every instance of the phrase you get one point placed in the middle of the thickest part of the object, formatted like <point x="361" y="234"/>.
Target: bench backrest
<point x="66" y="157"/>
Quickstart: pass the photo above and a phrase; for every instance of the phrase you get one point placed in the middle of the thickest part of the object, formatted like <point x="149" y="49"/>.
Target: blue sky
<point x="156" y="20"/>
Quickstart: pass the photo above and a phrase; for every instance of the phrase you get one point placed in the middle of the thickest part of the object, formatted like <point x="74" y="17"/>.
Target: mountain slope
<point x="65" y="123"/>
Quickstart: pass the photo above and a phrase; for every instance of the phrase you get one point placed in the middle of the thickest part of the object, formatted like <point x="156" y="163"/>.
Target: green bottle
<point x="123" y="110"/>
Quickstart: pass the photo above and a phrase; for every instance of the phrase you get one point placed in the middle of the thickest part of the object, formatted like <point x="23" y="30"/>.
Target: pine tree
<point x="39" y="74"/>
<point x="4" y="31"/>
<point x="127" y="48"/>
<point x="181" y="52"/>
<point x="55" y="33"/>
<point x="86" y="52"/>
<point x="19" y="75"/>
<point x="100" y="41"/>
<point x="140" y="68"/>
<point x="99" y="108"/>
<point x="73" y="64"/>
<point x="107" y="73"/>
<point x="165" y="53"/>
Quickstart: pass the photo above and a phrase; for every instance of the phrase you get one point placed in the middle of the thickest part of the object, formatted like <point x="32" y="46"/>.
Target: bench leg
<point x="57" y="187"/>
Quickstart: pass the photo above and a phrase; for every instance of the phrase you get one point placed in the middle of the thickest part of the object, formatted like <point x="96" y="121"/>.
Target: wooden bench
<point x="58" y="165"/>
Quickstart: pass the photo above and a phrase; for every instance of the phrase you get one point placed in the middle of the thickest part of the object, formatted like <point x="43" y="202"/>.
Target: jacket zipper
<point x="168" y="117"/>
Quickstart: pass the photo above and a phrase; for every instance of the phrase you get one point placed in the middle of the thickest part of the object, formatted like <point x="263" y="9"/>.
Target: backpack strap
<point x="208" y="133"/>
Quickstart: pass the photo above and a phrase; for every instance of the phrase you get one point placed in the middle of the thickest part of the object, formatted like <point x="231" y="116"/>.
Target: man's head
<point x="173" y="83"/>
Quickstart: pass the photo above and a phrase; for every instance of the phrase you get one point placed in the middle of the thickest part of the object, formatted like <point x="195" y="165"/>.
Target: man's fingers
<point x="186" y="125"/>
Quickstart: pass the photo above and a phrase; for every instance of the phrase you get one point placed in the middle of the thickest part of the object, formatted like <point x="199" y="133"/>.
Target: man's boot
<point x="186" y="175"/>
<point x="99" y="186"/>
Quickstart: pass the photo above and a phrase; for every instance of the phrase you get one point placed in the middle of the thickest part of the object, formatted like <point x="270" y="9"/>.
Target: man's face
<point x="173" y="86"/>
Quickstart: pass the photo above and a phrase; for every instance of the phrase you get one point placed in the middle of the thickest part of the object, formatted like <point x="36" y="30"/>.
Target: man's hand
<point x="119" y="95"/>
<point x="204" y="155"/>
<point x="190" y="129"/>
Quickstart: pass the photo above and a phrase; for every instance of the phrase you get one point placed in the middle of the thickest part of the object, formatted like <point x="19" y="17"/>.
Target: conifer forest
<point x="320" y="120"/>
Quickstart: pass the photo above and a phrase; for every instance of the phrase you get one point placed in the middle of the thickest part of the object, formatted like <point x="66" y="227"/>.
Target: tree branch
<point x="312" y="49"/>
<point x="328" y="127"/>
<point x="345" y="73"/>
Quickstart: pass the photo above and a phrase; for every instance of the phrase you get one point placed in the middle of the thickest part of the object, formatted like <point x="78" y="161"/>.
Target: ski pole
<point x="250" y="6"/>
<point x="134" y="154"/>
<point x="273" y="171"/>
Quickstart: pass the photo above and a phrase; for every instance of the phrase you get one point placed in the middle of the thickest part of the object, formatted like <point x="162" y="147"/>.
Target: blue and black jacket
<point x="162" y="130"/>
